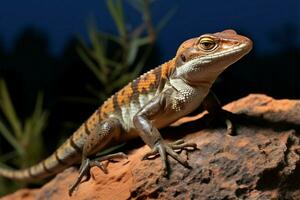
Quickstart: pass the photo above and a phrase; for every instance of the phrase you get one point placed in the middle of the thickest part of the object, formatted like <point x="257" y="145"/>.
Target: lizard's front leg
<point x="151" y="136"/>
<point x="102" y="135"/>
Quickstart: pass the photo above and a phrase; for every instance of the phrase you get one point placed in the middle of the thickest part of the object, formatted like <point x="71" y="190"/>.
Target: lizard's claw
<point x="229" y="127"/>
<point x="87" y="164"/>
<point x="225" y="116"/>
<point x="163" y="149"/>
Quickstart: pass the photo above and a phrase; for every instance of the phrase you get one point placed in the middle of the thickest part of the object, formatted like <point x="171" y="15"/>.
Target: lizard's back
<point x="124" y="104"/>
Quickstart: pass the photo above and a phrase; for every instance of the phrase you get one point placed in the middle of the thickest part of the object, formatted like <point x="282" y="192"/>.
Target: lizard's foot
<point x="163" y="149"/>
<point x="87" y="164"/>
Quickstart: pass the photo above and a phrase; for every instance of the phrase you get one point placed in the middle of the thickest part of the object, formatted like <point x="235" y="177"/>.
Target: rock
<point x="261" y="161"/>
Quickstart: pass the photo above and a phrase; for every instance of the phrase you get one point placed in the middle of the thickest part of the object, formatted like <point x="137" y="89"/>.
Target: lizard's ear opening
<point x="183" y="58"/>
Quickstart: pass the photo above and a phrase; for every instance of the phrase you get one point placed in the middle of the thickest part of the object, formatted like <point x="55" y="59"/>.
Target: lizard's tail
<point x="22" y="175"/>
<point x="69" y="153"/>
<point x="66" y="155"/>
<point x="41" y="170"/>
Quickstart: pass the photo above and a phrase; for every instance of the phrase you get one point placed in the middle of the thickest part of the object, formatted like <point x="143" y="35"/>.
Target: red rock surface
<point x="260" y="162"/>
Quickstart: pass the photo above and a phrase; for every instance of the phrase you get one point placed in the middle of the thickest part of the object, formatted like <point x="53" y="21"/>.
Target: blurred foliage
<point x="131" y="47"/>
<point x="114" y="60"/>
<point x="24" y="136"/>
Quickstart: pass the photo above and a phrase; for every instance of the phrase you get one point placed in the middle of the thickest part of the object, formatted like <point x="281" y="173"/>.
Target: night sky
<point x="62" y="19"/>
<point x="46" y="59"/>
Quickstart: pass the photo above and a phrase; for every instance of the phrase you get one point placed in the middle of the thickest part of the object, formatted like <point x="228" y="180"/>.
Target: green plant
<point x="19" y="133"/>
<point x="131" y="47"/>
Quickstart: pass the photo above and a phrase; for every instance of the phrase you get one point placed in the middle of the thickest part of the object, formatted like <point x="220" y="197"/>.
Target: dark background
<point x="38" y="41"/>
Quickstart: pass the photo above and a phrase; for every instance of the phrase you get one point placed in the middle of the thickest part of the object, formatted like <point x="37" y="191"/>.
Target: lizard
<point x="152" y="101"/>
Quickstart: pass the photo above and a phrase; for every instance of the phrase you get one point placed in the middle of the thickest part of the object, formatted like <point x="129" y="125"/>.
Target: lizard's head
<point x="200" y="60"/>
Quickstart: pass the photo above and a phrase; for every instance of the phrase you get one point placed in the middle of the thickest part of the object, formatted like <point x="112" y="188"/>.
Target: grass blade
<point x="116" y="11"/>
<point x="162" y="23"/>
<point x="8" y="109"/>
<point x="91" y="65"/>
<point x="10" y="138"/>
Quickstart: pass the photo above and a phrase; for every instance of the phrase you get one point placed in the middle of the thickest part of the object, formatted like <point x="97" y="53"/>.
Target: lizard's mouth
<point x="207" y="68"/>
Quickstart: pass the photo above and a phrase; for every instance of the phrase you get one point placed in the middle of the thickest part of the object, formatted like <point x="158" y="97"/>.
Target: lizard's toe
<point x="151" y="155"/>
<point x="100" y="165"/>
<point x="86" y="165"/>
<point x="180" y="145"/>
<point x="163" y="149"/>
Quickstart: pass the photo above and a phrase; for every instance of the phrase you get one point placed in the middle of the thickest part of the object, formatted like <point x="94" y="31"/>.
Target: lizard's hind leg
<point x="212" y="104"/>
<point x="99" y="137"/>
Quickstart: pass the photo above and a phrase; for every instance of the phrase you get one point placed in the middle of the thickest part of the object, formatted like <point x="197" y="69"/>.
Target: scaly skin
<point x="152" y="101"/>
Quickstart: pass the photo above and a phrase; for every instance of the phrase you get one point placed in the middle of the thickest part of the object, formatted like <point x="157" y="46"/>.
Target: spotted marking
<point x="86" y="128"/>
<point x="116" y="104"/>
<point x="107" y="108"/>
<point x="99" y="114"/>
<point x="92" y="122"/>
<point x="146" y="82"/>
<point x="80" y="136"/>
<point x="167" y="69"/>
<point x="134" y="87"/>
<point x="124" y="95"/>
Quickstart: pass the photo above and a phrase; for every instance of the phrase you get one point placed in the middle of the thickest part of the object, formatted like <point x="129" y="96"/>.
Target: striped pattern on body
<point x="122" y="105"/>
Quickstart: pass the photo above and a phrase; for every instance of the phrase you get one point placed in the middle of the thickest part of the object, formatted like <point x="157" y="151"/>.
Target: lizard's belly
<point x="129" y="111"/>
<point x="175" y="110"/>
<point x="173" y="114"/>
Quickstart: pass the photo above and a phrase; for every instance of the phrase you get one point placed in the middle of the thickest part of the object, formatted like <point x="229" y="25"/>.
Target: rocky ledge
<point x="261" y="161"/>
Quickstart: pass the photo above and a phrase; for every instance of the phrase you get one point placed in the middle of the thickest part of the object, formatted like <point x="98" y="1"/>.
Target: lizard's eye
<point x="207" y="43"/>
